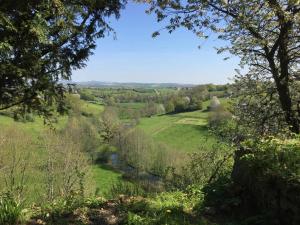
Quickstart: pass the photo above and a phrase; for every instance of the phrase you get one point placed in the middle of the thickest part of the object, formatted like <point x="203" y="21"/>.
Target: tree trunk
<point x="282" y="86"/>
<point x="287" y="106"/>
<point x="281" y="75"/>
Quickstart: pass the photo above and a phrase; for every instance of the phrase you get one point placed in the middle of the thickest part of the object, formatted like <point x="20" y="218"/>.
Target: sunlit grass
<point x="104" y="178"/>
<point x="186" y="131"/>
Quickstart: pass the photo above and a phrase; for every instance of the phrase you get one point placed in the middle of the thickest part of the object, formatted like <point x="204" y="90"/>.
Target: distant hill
<point x="130" y="84"/>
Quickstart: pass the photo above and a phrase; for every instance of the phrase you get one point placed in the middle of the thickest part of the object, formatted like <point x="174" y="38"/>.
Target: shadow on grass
<point x="107" y="166"/>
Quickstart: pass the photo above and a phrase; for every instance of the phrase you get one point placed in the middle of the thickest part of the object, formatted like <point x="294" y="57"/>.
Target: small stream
<point x="131" y="171"/>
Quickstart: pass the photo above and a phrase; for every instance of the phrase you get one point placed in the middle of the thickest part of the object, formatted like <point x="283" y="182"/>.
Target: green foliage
<point x="257" y="106"/>
<point x="267" y="174"/>
<point x="61" y="206"/>
<point x="11" y="210"/>
<point x="200" y="168"/>
<point x="77" y="107"/>
<point x="86" y="95"/>
<point x="38" y="164"/>
<point x="170" y="208"/>
<point x="198" y="105"/>
<point x="37" y="50"/>
<point x="220" y="194"/>
<point x="85" y="133"/>
<point x="57" y="211"/>
<point x="222" y="123"/>
<point x="125" y="188"/>
<point x="142" y="153"/>
<point x="271" y="57"/>
<point x="110" y="125"/>
<point x="181" y="105"/>
<point x="170" y="107"/>
<point x="149" y="109"/>
<point x="23" y="117"/>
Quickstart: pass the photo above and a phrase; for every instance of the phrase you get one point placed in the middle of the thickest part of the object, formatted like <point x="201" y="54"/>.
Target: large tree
<point x="41" y="42"/>
<point x="263" y="33"/>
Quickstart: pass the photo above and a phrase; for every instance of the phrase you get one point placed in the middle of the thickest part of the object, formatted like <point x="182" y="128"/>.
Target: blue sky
<point x="137" y="57"/>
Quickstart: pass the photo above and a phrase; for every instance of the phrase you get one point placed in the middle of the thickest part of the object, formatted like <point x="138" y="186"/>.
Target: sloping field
<point x="186" y="132"/>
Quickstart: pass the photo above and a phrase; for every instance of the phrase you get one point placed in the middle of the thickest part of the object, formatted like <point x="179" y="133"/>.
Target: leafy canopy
<point x="41" y="42"/>
<point x="263" y="33"/>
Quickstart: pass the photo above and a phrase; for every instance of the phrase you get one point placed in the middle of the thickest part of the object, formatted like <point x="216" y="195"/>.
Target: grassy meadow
<point x="104" y="178"/>
<point x="185" y="131"/>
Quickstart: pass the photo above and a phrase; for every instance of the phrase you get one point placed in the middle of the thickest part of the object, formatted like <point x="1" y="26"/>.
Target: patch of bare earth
<point x="106" y="214"/>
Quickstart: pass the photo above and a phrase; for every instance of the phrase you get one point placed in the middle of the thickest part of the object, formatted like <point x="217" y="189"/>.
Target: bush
<point x="47" y="168"/>
<point x="169" y="106"/>
<point x="221" y="123"/>
<point x="85" y="95"/>
<point x="17" y="161"/>
<point x="264" y="185"/>
<point x="214" y="103"/>
<point x="219" y="194"/>
<point x="201" y="168"/>
<point x="267" y="175"/>
<point x="67" y="167"/>
<point x="181" y="105"/>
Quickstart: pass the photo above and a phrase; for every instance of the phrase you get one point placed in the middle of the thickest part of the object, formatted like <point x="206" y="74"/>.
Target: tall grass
<point x="10" y="210"/>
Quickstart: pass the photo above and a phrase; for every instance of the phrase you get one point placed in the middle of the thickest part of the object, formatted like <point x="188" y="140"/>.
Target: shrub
<point x="169" y="106"/>
<point x="16" y="161"/>
<point x="214" y="103"/>
<point x="221" y="123"/>
<point x="219" y="194"/>
<point x="85" y="95"/>
<point x="201" y="168"/>
<point x="267" y="176"/>
<point x="66" y="169"/>
<point x="181" y="105"/>
<point x="49" y="167"/>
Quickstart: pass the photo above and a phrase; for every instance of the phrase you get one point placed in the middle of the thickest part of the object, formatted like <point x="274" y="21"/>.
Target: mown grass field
<point x="186" y="131"/>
